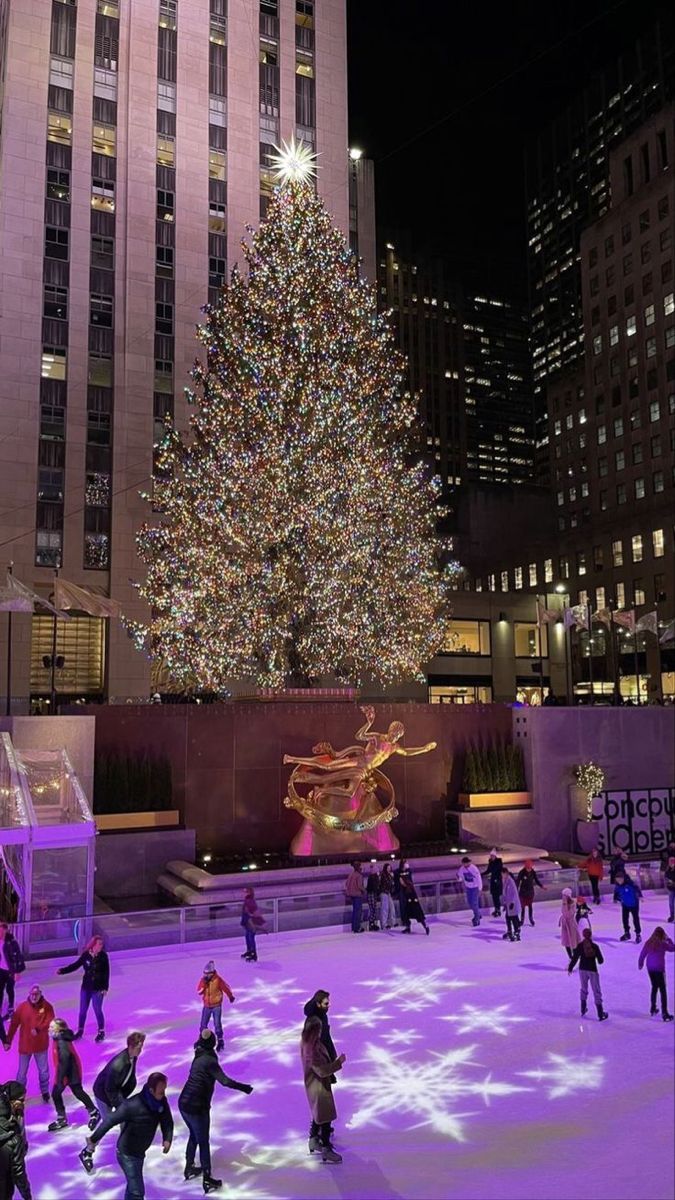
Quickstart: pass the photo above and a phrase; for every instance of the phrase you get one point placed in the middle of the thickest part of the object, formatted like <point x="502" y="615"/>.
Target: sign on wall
<point x="637" y="820"/>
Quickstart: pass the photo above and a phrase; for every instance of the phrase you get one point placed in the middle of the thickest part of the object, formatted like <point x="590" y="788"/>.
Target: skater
<point x="593" y="866"/>
<point x="387" y="913"/>
<point x="470" y="877"/>
<point x="494" y="878"/>
<point x="617" y="863"/>
<point x="653" y="953"/>
<point x="33" y="1018"/>
<point x="194" y="1104"/>
<point x="410" y="902"/>
<point x="588" y="954"/>
<point x="355" y="892"/>
<point x="373" y="896"/>
<point x="95" y="983"/>
<point x="398" y="893"/>
<point x="583" y="913"/>
<point x="628" y="893"/>
<point x="212" y="989"/>
<point x="318" y="1007"/>
<point x="13" y="1143"/>
<point x="252" y="922"/>
<point x="319" y="1068"/>
<point x="140" y="1117"/>
<point x="116" y="1082"/>
<point x="67" y="1073"/>
<point x="526" y="880"/>
<point x="669" y="879"/>
<point x="569" y="930"/>
<point x="11" y="964"/>
<point x="511" y="902"/>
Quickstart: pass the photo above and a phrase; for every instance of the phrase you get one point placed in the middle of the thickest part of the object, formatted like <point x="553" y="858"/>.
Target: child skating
<point x="588" y="954"/>
<point x="212" y="989"/>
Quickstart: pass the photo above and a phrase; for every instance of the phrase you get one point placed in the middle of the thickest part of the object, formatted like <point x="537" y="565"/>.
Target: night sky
<point x="503" y="71"/>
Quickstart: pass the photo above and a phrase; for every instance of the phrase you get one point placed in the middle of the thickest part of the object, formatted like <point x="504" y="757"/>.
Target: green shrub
<point x="132" y="783"/>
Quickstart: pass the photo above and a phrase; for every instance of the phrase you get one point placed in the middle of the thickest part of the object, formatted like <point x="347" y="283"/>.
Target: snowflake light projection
<point x="471" y="1019"/>
<point x="355" y="1017"/>
<point x="412" y="991"/>
<point x="565" y="1075"/>
<point x="426" y="1090"/>
<point x="271" y="993"/>
<point x="266" y="1039"/>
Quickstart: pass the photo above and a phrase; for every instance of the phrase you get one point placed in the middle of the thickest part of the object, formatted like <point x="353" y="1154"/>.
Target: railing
<point x="208" y="922"/>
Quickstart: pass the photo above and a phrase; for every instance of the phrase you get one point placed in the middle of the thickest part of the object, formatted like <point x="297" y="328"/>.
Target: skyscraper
<point x="135" y="148"/>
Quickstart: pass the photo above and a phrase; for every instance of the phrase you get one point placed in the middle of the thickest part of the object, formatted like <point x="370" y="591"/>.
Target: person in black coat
<point x="95" y="983"/>
<point x="494" y="878"/>
<point x="116" y="1082"/>
<point x="11" y="964"/>
<point x="67" y="1073"/>
<point x="13" y="1143"/>
<point x="194" y="1104"/>
<point x="140" y="1117"/>
<point x="318" y="1007"/>
<point x="411" y="909"/>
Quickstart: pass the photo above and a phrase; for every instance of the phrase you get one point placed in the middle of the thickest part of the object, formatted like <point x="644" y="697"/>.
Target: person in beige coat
<point x="569" y="930"/>
<point x="318" y="1067"/>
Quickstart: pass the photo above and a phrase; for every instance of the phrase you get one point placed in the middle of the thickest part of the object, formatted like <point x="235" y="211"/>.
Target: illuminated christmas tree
<point x="296" y="529"/>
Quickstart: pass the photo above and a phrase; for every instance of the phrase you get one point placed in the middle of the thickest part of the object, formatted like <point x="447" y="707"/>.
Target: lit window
<point x="548" y="570"/>
<point x="217" y="217"/>
<point x="557" y="428"/>
<point x="597" y="344"/>
<point x="518" y="577"/>
<point x="582" y="596"/>
<point x="54" y="362"/>
<point x="304" y="64"/>
<point x="620" y="594"/>
<point x="657" y="481"/>
<point x="654" y="411"/>
<point x="60" y="128"/>
<point x="103" y="195"/>
<point x="617" y="553"/>
<point x="631" y="326"/>
<point x="564" y="565"/>
<point x="650" y="346"/>
<point x="104" y="139"/>
<point x="638" y="591"/>
<point x="600" y="597"/>
<point x="217" y="164"/>
<point x="658" y="543"/>
<point x="468" y="637"/>
<point x="581" y="562"/>
<point x="526" y="639"/>
<point x="166" y="150"/>
<point x="669" y="337"/>
<point x="649" y="314"/>
<point x="636" y="547"/>
<point x="504" y="577"/>
<point x="532" y="574"/>
<point x="668" y="304"/>
<point x="639" y="489"/>
<point x="618" y="427"/>
<point x="492" y="584"/>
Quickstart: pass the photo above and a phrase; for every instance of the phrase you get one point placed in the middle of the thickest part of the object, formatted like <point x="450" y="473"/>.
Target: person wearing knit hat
<point x="588" y="954"/>
<point x="569" y="930"/>
<point x="526" y="879"/>
<point x="212" y="988"/>
<point x="194" y="1105"/>
<point x="494" y="879"/>
<point x="252" y="922"/>
<point x="13" y="1143"/>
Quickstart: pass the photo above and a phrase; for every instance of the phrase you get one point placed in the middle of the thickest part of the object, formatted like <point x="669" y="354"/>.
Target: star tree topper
<point x="294" y="162"/>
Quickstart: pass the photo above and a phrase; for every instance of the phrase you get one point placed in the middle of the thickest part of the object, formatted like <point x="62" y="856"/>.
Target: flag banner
<point x="546" y="616"/>
<point x="668" y="634"/>
<point x="604" y="615"/>
<point x="626" y="619"/>
<point x="69" y="595"/>
<point x="582" y="615"/>
<point x="648" y="624"/>
<point x="16" y="597"/>
<point x="570" y="620"/>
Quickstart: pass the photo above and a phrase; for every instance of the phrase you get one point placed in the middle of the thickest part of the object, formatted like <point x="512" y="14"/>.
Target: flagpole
<point x="53" y="667"/>
<point x="637" y="665"/>
<point x="8" y="704"/>
<point x="541" y="651"/>
<point x="569" y="679"/>
<point x="589" y="627"/>
<point x="616" y="690"/>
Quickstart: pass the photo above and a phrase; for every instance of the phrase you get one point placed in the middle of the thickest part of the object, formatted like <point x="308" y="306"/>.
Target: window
<point x="597" y="344"/>
<point x="217" y="217"/>
<point x="627" y="264"/>
<point x="557" y="428"/>
<point x="101" y="310"/>
<point x="655" y="446"/>
<point x="609" y="246"/>
<point x="614" y="334"/>
<point x="658" y="543"/>
<point x="618" y="427"/>
<point x="645" y="253"/>
<point x="55" y="302"/>
<point x="469" y="693"/>
<point x="104" y="139"/>
<point x="54" y="362"/>
<point x="166" y="150"/>
<point x="216" y="271"/>
<point x="564" y="567"/>
<point x="620" y="595"/>
<point x="665" y="239"/>
<point x="58" y="184"/>
<point x="217" y="164"/>
<point x="657" y="482"/>
<point x="56" y="243"/>
<point x="628" y="294"/>
<point x="670" y="337"/>
<point x="638" y="591"/>
<point x="639" y="489"/>
<point x="598" y="558"/>
<point x="581" y="562"/>
<point x="582" y="596"/>
<point x="621" y="493"/>
<point x="163" y="376"/>
<point x="518" y="577"/>
<point x="631" y="326"/>
<point x="492" y="583"/>
<point x="469" y="637"/>
<point x="647" y="283"/>
<point x="602" y="467"/>
<point x="669" y="304"/>
<point x="165" y="205"/>
<point x="593" y="256"/>
<point x="527" y="641"/>
<point x="504" y="579"/>
<point x="617" y="553"/>
<point x="62" y="39"/>
<point x="106" y="43"/>
<point x="619" y="460"/>
<point x="636" y="547"/>
<point x="164" y="318"/>
<point x="649" y="314"/>
<point x="548" y="570"/>
<point x="100" y="370"/>
<point x="59" y="128"/>
<point x="103" y="195"/>
<point x="569" y="421"/>
<point x="97" y="490"/>
<point x="637" y="453"/>
<point x="600" y="597"/>
<point x="654" y="411"/>
<point x="560" y="498"/>
<point x="602" y="434"/>
<point x="102" y="253"/>
<point x="635" y="420"/>
<point x="164" y="261"/>
<point x="532" y="574"/>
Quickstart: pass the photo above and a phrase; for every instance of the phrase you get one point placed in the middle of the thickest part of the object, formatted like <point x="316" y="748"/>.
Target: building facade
<point x="568" y="188"/>
<point x="135" y="148"/>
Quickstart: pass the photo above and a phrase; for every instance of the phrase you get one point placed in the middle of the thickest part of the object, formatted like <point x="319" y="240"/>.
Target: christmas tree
<point x="294" y="527"/>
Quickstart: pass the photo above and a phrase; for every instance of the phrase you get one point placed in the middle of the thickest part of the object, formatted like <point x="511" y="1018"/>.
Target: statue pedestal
<point x="313" y="842"/>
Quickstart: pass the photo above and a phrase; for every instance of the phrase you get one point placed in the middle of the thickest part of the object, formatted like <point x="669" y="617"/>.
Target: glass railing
<point x="205" y="922"/>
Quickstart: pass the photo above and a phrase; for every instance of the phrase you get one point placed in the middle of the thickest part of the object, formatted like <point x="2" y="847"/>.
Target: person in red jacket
<point x="32" y="1019"/>
<point x="595" y="871"/>
<point x="212" y="989"/>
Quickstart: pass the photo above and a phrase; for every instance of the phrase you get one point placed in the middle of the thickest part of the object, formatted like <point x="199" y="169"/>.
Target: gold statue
<point x="339" y="793"/>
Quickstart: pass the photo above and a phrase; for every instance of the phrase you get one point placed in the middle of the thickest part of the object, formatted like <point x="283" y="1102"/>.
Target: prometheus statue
<point x="347" y="802"/>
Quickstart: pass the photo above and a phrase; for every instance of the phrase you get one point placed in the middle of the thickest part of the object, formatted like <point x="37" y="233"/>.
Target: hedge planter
<point x="478" y="800"/>
<point x="119" y="822"/>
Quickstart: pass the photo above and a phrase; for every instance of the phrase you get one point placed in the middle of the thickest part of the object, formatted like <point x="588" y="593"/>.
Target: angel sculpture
<point x="339" y="792"/>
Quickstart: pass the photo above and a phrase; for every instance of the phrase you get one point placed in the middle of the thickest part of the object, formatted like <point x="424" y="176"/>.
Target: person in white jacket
<point x="511" y="902"/>
<point x="471" y="878"/>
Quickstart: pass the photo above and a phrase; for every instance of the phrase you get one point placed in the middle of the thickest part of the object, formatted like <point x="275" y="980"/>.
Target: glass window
<point x="60" y="128"/>
<point x="504" y="578"/>
<point x="602" y="434"/>
<point x="621" y="594"/>
<point x="217" y="164"/>
<point x="655" y="444"/>
<point x="526" y="639"/>
<point x="492" y="583"/>
<point x="600" y="597"/>
<point x="101" y="310"/>
<point x="164" y="261"/>
<point x="649" y="314"/>
<point x="631" y="327"/>
<point x="618" y="427"/>
<point x="602" y="467"/>
<point x="103" y="195"/>
<point x="669" y="304"/>
<point x="597" y="344"/>
<point x="637" y="453"/>
<point x="650" y="346"/>
<point x="658" y="543"/>
<point x="104" y="139"/>
<point x="669" y="337"/>
<point x="165" y="205"/>
<point x="58" y="184"/>
<point x="654" y="411"/>
<point x="472" y="693"/>
<point x="657" y="481"/>
<point x="518" y="577"/>
<point x="638" y="591"/>
<point x="469" y="637"/>
<point x="55" y="302"/>
<point x="636" y="547"/>
<point x="639" y="489"/>
<point x="56" y="243"/>
<point x="532" y="574"/>
<point x="548" y="570"/>
<point x="619" y="460"/>
<point x="621" y="493"/>
<point x="581" y="562"/>
<point x="617" y="553"/>
<point x="54" y="362"/>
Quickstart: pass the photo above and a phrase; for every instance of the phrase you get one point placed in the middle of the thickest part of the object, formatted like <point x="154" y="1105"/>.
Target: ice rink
<point x="469" y="1071"/>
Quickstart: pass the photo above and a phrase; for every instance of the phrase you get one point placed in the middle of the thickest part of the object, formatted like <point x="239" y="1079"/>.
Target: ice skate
<point x="210" y="1184"/>
<point x="59" y="1123"/>
<point x="314" y="1144"/>
<point x="329" y="1155"/>
<point x="94" y="1118"/>
<point x="191" y="1171"/>
<point x="87" y="1159"/>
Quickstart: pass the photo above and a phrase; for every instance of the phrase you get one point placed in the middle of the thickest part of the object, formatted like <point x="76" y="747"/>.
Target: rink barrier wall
<point x="283" y="914"/>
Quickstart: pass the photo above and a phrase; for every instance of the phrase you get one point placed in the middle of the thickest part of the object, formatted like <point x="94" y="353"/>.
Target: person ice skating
<point x="355" y="892"/>
<point x="398" y="894"/>
<point x="387" y="913"/>
<point x="253" y="923"/>
<point x="583" y="912"/>
<point x="13" y="1143"/>
<point x="67" y="1074"/>
<point x="526" y="881"/>
<point x="511" y="903"/>
<point x="95" y="983"/>
<point x="319" y="1068"/>
<point x="653" y="953"/>
<point x="569" y="930"/>
<point x="117" y="1081"/>
<point x="32" y="1019"/>
<point x="494" y="878"/>
<point x="669" y="880"/>
<point x="617" y="863"/>
<point x="194" y="1104"/>
<point x="628" y="893"/>
<point x="410" y="903"/>
<point x="668" y="853"/>
<point x="318" y="1007"/>
<point x="373" y="896"/>
<point x="594" y="868"/>
<point x="140" y="1117"/>
<point x="470" y="877"/>
<point x="11" y="964"/>
<point x="588" y="954"/>
<point x="212" y="988"/>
